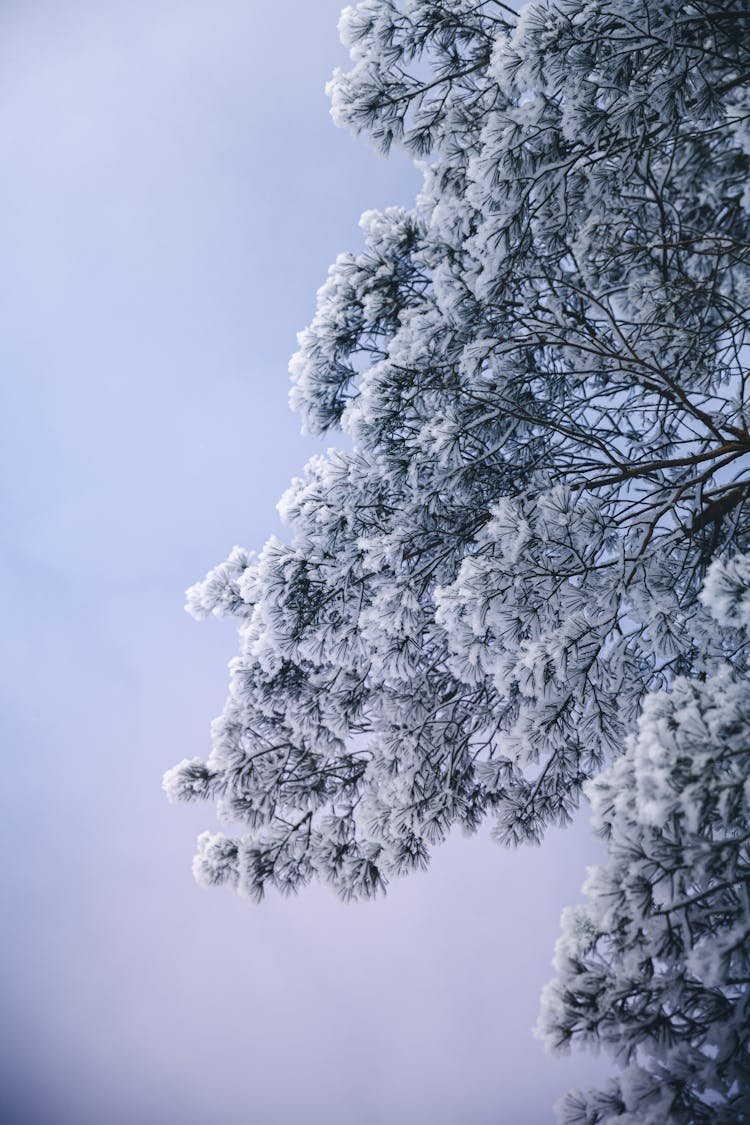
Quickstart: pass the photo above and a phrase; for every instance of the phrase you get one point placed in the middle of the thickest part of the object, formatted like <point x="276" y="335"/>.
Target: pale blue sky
<point x="172" y="191"/>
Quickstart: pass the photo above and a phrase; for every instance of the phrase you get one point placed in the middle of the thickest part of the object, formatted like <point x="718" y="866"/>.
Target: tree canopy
<point x="540" y="368"/>
<point x="540" y="371"/>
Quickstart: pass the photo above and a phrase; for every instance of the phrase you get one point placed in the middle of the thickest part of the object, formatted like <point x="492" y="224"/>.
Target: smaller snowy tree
<point x="656" y="966"/>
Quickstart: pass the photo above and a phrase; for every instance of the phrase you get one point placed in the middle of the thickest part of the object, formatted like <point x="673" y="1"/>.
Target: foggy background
<point x="172" y="193"/>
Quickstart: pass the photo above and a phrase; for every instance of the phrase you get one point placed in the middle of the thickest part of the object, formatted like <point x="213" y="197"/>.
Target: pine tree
<point x="541" y="371"/>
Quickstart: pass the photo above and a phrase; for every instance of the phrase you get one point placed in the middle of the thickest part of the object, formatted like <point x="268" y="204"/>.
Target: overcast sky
<point x="172" y="192"/>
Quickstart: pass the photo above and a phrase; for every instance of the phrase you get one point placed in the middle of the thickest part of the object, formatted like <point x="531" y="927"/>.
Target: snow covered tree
<point x="656" y="965"/>
<point x="540" y="371"/>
